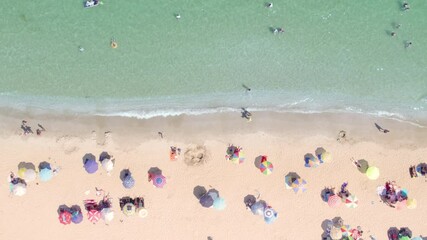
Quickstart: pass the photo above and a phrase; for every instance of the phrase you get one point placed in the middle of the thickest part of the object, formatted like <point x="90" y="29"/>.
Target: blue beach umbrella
<point x="45" y="174"/>
<point x="128" y="181"/>
<point x="206" y="201"/>
<point x="91" y="166"/>
<point x="77" y="217"/>
<point x="219" y="203"/>
<point x="258" y="208"/>
<point x="270" y="215"/>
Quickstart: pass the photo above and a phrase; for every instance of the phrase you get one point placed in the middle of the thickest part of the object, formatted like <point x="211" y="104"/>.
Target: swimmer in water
<point x="405" y="6"/>
<point x="269" y="5"/>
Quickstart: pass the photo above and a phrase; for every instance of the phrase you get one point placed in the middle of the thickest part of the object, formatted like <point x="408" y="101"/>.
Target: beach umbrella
<point x="45" y="174"/>
<point x="411" y="203"/>
<point x="269" y="215"/>
<point x="107" y="164"/>
<point x="235" y="155"/>
<point x="206" y="201"/>
<point x="77" y="217"/>
<point x="128" y="181"/>
<point x="324" y="157"/>
<point x="94" y="215"/>
<point x="417" y="238"/>
<point x="404" y="238"/>
<point x="311" y="161"/>
<point x="299" y="185"/>
<point x="65" y="217"/>
<point x="213" y="193"/>
<point x="334" y="201"/>
<point x="159" y="180"/>
<point x="28" y="175"/>
<point x="373" y="173"/>
<point x="91" y="166"/>
<point x="258" y="208"/>
<point x="335" y="233"/>
<point x="142" y="212"/>
<point x="19" y="189"/>
<point x="107" y="214"/>
<point x="129" y="209"/>
<point x="351" y="201"/>
<point x="266" y="167"/>
<point x="219" y="203"/>
<point x="355" y="233"/>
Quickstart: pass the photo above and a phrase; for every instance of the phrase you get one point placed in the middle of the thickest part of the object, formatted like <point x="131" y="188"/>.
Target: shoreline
<point x="285" y="138"/>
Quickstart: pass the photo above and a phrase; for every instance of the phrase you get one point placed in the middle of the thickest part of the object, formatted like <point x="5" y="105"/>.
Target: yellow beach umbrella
<point x="373" y="173"/>
<point x="411" y="203"/>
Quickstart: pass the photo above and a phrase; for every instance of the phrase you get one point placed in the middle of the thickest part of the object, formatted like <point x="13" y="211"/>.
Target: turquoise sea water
<point x="334" y="56"/>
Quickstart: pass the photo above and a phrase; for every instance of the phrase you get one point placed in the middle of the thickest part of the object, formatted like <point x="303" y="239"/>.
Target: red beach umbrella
<point x="94" y="215"/>
<point x="334" y="201"/>
<point x="65" y="217"/>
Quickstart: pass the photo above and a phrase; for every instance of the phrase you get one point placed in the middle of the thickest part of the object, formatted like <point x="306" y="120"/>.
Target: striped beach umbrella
<point x="65" y="217"/>
<point x="352" y="201"/>
<point x="299" y="185"/>
<point x="159" y="181"/>
<point x="334" y="201"/>
<point x="235" y="155"/>
<point x="311" y="161"/>
<point x="94" y="215"/>
<point x="266" y="167"/>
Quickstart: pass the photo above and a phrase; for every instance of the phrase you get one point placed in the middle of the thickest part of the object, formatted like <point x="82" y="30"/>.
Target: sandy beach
<point x="174" y="212"/>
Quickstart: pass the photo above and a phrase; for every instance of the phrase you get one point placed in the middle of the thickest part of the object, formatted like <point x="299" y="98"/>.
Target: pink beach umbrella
<point x="334" y="201"/>
<point x="159" y="181"/>
<point x="94" y="215"/>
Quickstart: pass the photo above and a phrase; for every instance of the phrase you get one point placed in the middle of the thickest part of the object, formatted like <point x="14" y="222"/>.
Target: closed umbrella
<point x="107" y="214"/>
<point x="269" y="215"/>
<point x="128" y="181"/>
<point x="206" y="201"/>
<point x="219" y="203"/>
<point x="91" y="166"/>
<point x="45" y="174"/>
<point x="352" y="201"/>
<point x="258" y="208"/>
<point x="373" y="173"/>
<point x="129" y="209"/>
<point x="159" y="180"/>
<point x="334" y="201"/>
<point x="65" y="217"/>
<point x="19" y="189"/>
<point x="28" y="175"/>
<point x="94" y="215"/>
<point x="108" y="165"/>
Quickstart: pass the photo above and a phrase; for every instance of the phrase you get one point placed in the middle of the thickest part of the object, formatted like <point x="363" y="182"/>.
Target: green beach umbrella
<point x="404" y="238"/>
<point x="373" y="173"/>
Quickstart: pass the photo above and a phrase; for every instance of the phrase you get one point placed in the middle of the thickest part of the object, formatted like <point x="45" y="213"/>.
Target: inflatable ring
<point x="114" y="44"/>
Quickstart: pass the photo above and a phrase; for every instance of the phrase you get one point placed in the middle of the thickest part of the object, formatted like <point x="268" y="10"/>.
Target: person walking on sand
<point x="160" y="134"/>
<point x="381" y="129"/>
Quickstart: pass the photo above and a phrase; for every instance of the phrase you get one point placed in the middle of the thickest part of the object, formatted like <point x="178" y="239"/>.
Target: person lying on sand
<point x="381" y="129"/>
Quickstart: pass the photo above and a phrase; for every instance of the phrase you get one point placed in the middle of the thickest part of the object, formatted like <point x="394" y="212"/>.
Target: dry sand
<point x="174" y="212"/>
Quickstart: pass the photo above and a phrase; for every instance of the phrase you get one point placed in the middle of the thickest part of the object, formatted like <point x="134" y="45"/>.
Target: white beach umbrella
<point x="19" y="189"/>
<point x="107" y="214"/>
<point x="108" y="165"/>
<point x="28" y="175"/>
<point x="142" y="212"/>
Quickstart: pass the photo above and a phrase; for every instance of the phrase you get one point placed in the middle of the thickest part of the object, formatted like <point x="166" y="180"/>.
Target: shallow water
<point x="334" y="55"/>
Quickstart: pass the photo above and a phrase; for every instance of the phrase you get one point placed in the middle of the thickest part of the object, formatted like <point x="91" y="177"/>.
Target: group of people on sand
<point x="27" y="129"/>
